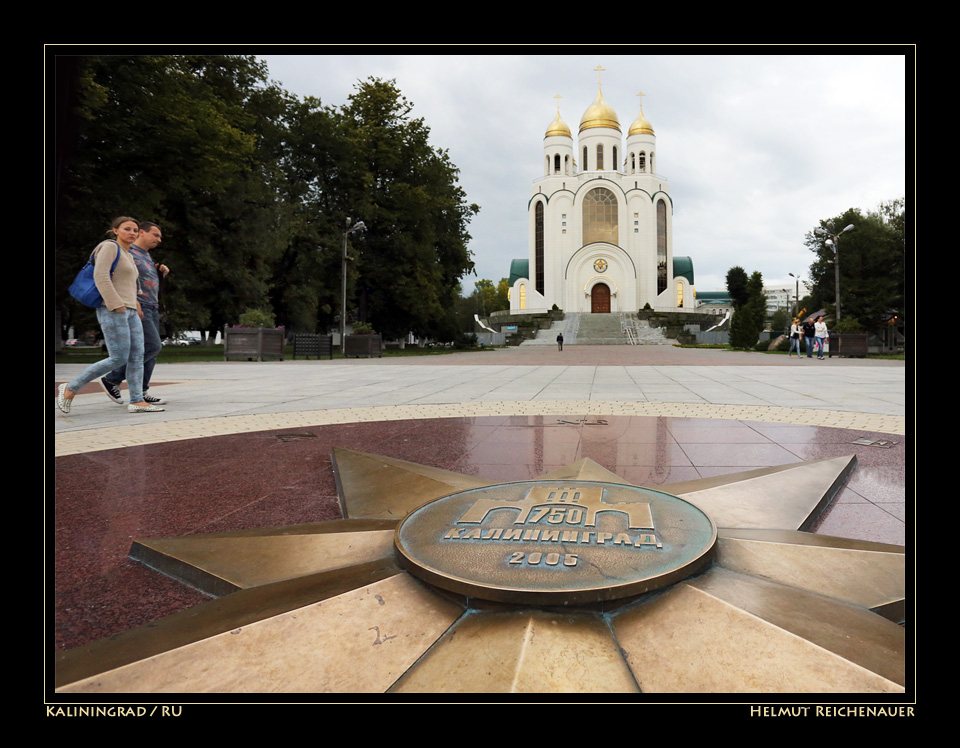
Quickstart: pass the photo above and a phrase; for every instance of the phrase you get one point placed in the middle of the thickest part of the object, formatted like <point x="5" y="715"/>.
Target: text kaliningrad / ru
<point x="831" y="711"/>
<point x="111" y="711"/>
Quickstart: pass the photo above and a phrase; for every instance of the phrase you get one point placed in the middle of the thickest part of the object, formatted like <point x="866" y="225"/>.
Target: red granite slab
<point x="103" y="500"/>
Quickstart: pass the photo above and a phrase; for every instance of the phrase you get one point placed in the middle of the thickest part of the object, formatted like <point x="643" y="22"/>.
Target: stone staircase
<point x="641" y="333"/>
<point x="601" y="329"/>
<point x="568" y="326"/>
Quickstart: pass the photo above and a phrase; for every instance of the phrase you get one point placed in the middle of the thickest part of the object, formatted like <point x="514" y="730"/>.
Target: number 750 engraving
<point x="557" y="515"/>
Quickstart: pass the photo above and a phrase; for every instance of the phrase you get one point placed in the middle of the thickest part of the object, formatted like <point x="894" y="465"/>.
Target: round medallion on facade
<point x="555" y="543"/>
<point x="600" y="265"/>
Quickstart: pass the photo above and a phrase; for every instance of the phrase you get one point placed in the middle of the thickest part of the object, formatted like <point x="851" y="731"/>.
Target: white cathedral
<point x="600" y="233"/>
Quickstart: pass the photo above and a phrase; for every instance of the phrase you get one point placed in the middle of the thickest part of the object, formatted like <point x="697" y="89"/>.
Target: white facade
<point x="600" y="226"/>
<point x="783" y="297"/>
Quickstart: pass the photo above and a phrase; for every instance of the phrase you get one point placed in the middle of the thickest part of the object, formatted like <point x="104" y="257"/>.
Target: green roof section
<point x="683" y="266"/>
<point x="714" y="297"/>
<point x="519" y="269"/>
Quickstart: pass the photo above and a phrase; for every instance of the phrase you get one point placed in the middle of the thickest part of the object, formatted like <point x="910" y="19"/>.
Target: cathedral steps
<point x="601" y="329"/>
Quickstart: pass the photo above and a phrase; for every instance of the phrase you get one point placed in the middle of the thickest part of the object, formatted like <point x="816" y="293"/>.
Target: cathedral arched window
<point x="642" y="167"/>
<point x="585" y="159"/>
<point x="600" y="157"/>
<point x="538" y="246"/>
<point x="556" y="163"/>
<point x="613" y="161"/>
<point x="600" y="216"/>
<point x="661" y="246"/>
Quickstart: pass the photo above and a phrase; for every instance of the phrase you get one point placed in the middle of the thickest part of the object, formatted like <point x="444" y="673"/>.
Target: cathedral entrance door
<point x="600" y="299"/>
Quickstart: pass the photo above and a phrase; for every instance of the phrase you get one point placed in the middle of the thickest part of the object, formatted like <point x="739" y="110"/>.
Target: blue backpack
<point x="83" y="289"/>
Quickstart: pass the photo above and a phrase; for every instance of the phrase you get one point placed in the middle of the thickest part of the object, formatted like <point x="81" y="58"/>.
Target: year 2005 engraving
<point x="550" y="559"/>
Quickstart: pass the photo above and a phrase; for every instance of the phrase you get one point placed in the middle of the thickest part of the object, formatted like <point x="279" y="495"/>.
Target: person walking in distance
<point x="820" y="330"/>
<point x="560" y="341"/>
<point x="150" y="272"/>
<point x="794" y="338"/>
<point x="808" y="334"/>
<point x="119" y="317"/>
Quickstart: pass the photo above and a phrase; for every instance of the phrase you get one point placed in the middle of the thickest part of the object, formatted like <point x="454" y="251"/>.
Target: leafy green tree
<point x="255" y="318"/>
<point x="503" y="294"/>
<point x="253" y="190"/>
<point x="489" y="298"/>
<point x="747" y="322"/>
<point x="322" y="190"/>
<point x="737" y="286"/>
<point x="415" y="248"/>
<point x="235" y="235"/>
<point x="179" y="140"/>
<point x="780" y="321"/>
<point x="872" y="264"/>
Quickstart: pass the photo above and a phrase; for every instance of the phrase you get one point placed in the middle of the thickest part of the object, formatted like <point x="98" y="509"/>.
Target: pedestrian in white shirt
<point x="822" y="336"/>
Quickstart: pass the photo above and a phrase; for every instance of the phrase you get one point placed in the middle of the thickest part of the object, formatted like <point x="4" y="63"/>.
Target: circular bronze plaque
<point x="554" y="542"/>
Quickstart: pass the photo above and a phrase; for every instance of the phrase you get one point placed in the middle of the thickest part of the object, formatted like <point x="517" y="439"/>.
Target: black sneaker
<point x="153" y="400"/>
<point x="112" y="390"/>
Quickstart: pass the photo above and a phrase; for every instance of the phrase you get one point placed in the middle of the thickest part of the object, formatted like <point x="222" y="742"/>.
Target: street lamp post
<point x="358" y="226"/>
<point x="834" y="241"/>
<point x="796" y="294"/>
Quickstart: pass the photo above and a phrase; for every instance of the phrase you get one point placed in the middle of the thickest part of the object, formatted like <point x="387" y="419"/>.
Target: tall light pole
<point x="796" y="294"/>
<point x="834" y="241"/>
<point x="358" y="226"/>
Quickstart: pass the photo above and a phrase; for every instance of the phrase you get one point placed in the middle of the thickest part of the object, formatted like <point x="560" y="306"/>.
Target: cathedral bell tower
<point x="558" y="156"/>
<point x="641" y="144"/>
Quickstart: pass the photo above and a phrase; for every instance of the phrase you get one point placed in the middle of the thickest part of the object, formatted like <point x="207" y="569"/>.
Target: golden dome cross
<point x="599" y="69"/>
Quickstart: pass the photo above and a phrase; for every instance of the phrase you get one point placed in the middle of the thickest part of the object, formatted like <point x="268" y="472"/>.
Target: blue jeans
<point x="123" y="334"/>
<point x="809" y="339"/>
<point x="794" y="343"/>
<point x="151" y="349"/>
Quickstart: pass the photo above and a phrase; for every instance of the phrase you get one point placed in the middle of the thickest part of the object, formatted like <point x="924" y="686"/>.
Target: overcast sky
<point x="757" y="148"/>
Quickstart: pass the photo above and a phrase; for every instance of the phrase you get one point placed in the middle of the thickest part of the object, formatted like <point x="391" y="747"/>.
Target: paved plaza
<point x="247" y="444"/>
<point x="230" y="397"/>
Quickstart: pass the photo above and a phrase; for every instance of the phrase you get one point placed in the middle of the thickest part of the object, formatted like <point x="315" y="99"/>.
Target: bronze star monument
<point x="437" y="582"/>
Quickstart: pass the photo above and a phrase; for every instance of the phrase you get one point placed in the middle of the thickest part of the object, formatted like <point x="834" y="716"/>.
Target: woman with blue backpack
<point x="115" y="276"/>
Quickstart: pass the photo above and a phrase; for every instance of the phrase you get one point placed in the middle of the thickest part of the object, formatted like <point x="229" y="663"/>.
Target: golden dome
<point x="599" y="114"/>
<point x="558" y="127"/>
<point x="640" y="125"/>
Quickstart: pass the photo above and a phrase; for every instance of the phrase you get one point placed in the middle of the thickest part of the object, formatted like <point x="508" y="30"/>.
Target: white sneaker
<point x="146" y="409"/>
